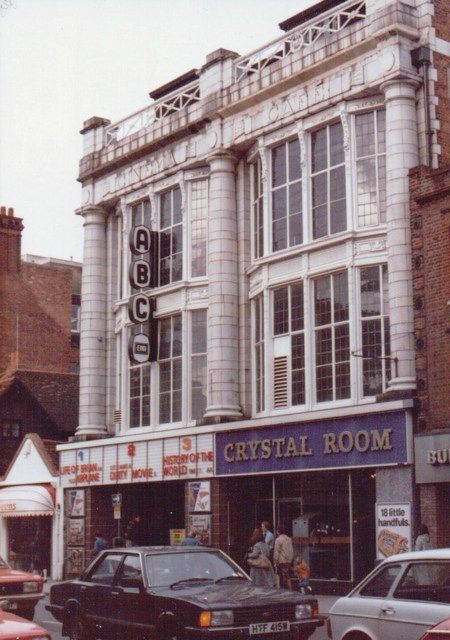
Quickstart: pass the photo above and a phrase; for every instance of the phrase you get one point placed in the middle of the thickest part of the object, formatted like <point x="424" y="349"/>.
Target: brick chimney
<point x="10" y="240"/>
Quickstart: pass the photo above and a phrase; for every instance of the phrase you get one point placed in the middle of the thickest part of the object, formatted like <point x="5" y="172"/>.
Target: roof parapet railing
<point x="144" y="118"/>
<point x="300" y="37"/>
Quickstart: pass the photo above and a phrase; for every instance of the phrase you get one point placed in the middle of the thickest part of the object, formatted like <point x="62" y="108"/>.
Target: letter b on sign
<point x="139" y="274"/>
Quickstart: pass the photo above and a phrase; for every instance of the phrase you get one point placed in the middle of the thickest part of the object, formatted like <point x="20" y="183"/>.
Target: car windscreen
<point x="165" y="569"/>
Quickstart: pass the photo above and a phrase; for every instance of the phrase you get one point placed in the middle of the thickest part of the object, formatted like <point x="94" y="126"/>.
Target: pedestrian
<point x="261" y="570"/>
<point x="191" y="539"/>
<point x="283" y="555"/>
<point x="100" y="544"/>
<point x="269" y="538"/>
<point x="302" y="572"/>
<point x="36" y="553"/>
<point x="423" y="542"/>
<point x="134" y="534"/>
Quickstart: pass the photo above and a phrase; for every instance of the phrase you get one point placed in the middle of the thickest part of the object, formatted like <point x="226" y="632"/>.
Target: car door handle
<point x="115" y="593"/>
<point x="388" y="610"/>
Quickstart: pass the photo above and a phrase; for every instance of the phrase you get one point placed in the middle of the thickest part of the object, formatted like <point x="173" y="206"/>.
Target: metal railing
<point x="300" y="37"/>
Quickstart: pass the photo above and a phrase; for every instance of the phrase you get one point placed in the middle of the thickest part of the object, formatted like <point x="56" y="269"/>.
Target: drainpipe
<point x="421" y="58"/>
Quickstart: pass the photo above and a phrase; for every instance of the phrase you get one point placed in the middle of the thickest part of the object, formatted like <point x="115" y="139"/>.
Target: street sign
<point x="116" y="499"/>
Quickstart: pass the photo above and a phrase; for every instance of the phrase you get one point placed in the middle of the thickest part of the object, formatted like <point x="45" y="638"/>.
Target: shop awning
<point x="26" y="500"/>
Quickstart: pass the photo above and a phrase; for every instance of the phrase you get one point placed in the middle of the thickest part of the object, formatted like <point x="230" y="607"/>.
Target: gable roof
<point x="45" y="448"/>
<point x="56" y="393"/>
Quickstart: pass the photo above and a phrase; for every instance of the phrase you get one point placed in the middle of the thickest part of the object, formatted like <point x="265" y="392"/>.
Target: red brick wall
<point x="430" y="223"/>
<point x="442" y="88"/>
<point x="35" y="316"/>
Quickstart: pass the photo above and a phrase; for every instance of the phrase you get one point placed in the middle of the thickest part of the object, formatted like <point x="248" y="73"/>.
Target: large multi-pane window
<point x="258" y="210"/>
<point x="289" y="319"/>
<point x="259" y="353"/>
<point x="140" y="215"/>
<point x="139" y="390"/>
<point x="332" y="339"/>
<point x="370" y="149"/>
<point x="170" y="369"/>
<point x="170" y="267"/>
<point x="375" y="329"/>
<point x="198" y="363"/>
<point x="286" y="192"/>
<point x="329" y="213"/>
<point x="199" y="216"/>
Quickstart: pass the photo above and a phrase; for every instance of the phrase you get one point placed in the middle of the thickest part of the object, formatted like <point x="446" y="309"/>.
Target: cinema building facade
<point x="247" y="346"/>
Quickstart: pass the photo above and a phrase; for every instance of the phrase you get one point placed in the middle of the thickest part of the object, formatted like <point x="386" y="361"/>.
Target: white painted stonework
<point x="240" y="108"/>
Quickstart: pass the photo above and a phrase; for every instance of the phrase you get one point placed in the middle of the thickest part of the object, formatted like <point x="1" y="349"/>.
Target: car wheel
<point x="77" y="629"/>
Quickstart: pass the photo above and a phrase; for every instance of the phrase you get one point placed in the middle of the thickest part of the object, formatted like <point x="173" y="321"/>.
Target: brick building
<point x="39" y="385"/>
<point x="430" y="224"/>
<point x="247" y="326"/>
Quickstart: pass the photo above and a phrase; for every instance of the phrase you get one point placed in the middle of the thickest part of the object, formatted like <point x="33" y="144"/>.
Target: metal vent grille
<point x="117" y="416"/>
<point x="280" y="382"/>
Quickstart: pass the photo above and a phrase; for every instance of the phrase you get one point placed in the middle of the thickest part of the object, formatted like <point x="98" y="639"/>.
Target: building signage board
<point x="142" y="461"/>
<point x="393" y="529"/>
<point x="432" y="458"/>
<point x="358" y="441"/>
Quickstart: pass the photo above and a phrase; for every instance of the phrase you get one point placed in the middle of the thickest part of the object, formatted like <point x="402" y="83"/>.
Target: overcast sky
<point x="63" y="61"/>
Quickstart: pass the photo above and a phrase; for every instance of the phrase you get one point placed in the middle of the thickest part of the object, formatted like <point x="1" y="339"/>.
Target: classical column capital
<point x="222" y="160"/>
<point x="92" y="212"/>
<point x="400" y="88"/>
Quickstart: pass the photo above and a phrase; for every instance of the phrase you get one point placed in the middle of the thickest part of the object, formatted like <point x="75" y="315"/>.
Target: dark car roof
<point x="166" y="549"/>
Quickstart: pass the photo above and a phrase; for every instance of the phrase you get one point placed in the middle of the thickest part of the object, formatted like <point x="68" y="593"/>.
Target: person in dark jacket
<point x="100" y="543"/>
<point x="191" y="540"/>
<point x="134" y="534"/>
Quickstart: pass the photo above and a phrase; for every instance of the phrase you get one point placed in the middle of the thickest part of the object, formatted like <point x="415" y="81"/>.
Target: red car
<point x="440" y="632"/>
<point x="19" y="591"/>
<point x="14" y="628"/>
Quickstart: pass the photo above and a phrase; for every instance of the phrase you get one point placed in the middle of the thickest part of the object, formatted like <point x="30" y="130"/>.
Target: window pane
<point x="322" y="290"/>
<point x="298" y="369"/>
<point x="279" y="165"/>
<point x="199" y="331"/>
<point x="297" y="313"/>
<point x="336" y="144"/>
<point x="177" y="342"/>
<point x="176" y="205"/>
<point x="319" y="150"/>
<point x="166" y="218"/>
<point x="381" y="583"/>
<point x="279" y="233"/>
<point x="370" y="291"/>
<point x="340" y="297"/>
<point x="365" y="134"/>
<point x="164" y="376"/>
<point x="294" y="160"/>
<point x="164" y="338"/>
<point x="280" y="311"/>
<point x="279" y="202"/>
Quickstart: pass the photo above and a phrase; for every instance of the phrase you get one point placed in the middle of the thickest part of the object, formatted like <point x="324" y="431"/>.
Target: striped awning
<point x="26" y="500"/>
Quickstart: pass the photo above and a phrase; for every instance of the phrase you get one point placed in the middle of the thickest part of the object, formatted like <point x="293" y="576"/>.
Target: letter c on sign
<point x="227" y="452"/>
<point x="139" y="308"/>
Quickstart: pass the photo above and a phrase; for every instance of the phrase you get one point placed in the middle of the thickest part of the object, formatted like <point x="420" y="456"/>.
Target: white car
<point x="399" y="600"/>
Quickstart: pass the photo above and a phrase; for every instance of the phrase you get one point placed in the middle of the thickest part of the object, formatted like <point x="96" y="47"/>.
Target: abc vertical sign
<point x="139" y="304"/>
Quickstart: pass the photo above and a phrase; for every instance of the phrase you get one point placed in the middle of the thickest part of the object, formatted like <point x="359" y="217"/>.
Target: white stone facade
<point x="320" y="94"/>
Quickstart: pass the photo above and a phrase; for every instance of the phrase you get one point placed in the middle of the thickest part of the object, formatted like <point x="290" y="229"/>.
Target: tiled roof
<point x="56" y="393"/>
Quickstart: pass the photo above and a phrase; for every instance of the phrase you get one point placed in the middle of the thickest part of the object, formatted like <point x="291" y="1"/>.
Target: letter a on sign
<point x="139" y="240"/>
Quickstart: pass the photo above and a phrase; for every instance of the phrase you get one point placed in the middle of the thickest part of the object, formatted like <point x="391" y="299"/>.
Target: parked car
<point x="14" y="628"/>
<point x="440" y="632"/>
<point x="401" y="599"/>
<point x="19" y="591"/>
<point x="168" y="593"/>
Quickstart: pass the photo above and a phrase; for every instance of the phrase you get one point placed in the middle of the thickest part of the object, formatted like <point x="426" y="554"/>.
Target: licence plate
<point x="11" y="606"/>
<point x="257" y="628"/>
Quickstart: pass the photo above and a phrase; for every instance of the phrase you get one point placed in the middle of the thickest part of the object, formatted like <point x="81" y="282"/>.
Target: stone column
<point x="223" y="334"/>
<point x="92" y="417"/>
<point x="402" y="153"/>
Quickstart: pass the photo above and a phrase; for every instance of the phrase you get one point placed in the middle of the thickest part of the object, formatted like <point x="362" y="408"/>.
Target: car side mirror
<point x="132" y="583"/>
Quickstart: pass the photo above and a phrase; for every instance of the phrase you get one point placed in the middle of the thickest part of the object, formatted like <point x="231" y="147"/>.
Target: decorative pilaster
<point x="223" y="334"/>
<point x="93" y="325"/>
<point x="402" y="153"/>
